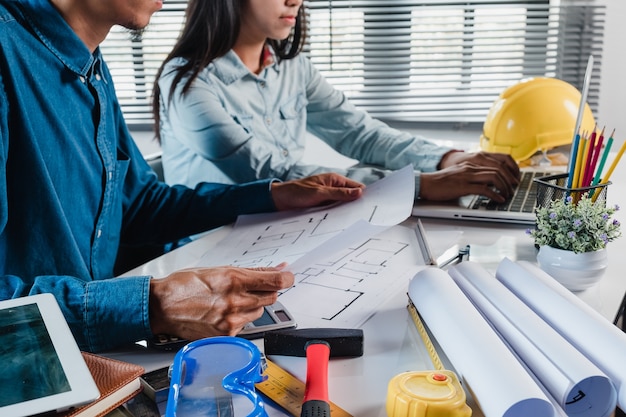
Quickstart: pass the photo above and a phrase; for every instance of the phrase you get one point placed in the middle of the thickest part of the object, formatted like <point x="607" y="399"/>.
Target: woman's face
<point x="273" y="19"/>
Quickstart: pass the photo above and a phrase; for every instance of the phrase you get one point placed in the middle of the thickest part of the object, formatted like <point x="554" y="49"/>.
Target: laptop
<point x="520" y="208"/>
<point x="517" y="210"/>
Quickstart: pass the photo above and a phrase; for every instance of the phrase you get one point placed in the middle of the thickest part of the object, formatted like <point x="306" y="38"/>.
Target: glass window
<point x="428" y="61"/>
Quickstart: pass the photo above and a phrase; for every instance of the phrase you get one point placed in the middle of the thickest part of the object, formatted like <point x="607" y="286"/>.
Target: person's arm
<point x="201" y="302"/>
<point x="105" y="314"/>
<point x="354" y="133"/>
<point x="180" y="212"/>
<point x="156" y="213"/>
<point x="96" y="323"/>
<point x="442" y="173"/>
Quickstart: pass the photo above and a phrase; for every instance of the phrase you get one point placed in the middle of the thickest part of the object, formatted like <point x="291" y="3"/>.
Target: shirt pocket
<point x="246" y="121"/>
<point x="293" y="115"/>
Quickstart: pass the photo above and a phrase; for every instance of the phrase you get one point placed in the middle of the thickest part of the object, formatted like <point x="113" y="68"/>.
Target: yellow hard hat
<point x="532" y="115"/>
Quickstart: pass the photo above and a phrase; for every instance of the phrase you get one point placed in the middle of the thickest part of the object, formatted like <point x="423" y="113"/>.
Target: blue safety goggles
<point x="216" y="377"/>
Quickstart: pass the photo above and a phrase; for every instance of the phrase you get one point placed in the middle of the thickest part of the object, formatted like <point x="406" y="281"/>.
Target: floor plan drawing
<point x="344" y="290"/>
<point x="271" y="238"/>
<point x="285" y="240"/>
<point x="345" y="257"/>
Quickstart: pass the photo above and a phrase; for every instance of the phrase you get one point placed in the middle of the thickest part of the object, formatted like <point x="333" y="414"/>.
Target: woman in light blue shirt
<point x="235" y="98"/>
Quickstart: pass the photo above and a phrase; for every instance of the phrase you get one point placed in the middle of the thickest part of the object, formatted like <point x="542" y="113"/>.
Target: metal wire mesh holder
<point x="553" y="187"/>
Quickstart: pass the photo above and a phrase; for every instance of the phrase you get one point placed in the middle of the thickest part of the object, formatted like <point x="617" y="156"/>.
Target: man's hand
<point x="490" y="174"/>
<point x="314" y="191"/>
<point x="202" y="302"/>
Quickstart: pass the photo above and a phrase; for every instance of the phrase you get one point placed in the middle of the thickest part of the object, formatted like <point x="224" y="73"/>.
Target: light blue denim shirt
<point x="233" y="126"/>
<point x="73" y="184"/>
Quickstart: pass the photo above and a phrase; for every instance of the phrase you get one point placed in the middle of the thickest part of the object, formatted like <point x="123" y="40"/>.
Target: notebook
<point x="518" y="210"/>
<point x="42" y="368"/>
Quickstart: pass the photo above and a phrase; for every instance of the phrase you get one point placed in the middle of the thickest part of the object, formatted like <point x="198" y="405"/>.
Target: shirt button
<point x="98" y="77"/>
<point x="82" y="79"/>
<point x="262" y="84"/>
<point x="268" y="121"/>
<point x="98" y="233"/>
<point x="285" y="152"/>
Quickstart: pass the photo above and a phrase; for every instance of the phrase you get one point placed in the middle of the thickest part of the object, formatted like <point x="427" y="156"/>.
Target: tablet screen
<point x="42" y="367"/>
<point x="31" y="366"/>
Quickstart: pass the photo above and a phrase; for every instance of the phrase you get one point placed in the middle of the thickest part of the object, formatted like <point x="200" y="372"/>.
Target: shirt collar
<point x="230" y="68"/>
<point x="54" y="32"/>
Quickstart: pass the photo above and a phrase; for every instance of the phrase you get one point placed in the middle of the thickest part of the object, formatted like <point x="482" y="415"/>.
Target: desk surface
<point x="392" y="345"/>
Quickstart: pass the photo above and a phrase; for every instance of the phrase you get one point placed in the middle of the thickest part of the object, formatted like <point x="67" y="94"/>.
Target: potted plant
<point x="572" y="236"/>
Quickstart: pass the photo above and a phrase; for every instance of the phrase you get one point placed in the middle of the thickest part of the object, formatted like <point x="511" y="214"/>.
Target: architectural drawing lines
<point x="345" y="278"/>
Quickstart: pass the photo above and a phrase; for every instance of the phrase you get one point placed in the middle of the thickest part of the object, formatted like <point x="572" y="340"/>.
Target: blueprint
<point x="271" y="238"/>
<point x="346" y="258"/>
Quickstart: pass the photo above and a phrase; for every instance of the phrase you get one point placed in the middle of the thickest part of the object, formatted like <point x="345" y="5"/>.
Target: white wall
<point x="612" y="106"/>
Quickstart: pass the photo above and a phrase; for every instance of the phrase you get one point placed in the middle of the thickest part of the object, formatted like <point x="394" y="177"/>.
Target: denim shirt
<point x="73" y="184"/>
<point x="233" y="126"/>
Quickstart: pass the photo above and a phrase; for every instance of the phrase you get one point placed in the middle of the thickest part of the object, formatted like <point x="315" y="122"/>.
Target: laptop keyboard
<point x="523" y="201"/>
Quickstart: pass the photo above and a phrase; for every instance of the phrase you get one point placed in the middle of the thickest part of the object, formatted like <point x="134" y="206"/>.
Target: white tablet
<point x="42" y="367"/>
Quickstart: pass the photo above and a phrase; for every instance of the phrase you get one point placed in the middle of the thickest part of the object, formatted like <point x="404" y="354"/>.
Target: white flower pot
<point x="575" y="271"/>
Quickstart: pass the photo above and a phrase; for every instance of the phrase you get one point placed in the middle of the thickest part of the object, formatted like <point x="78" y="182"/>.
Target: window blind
<point x="134" y="59"/>
<point x="429" y="61"/>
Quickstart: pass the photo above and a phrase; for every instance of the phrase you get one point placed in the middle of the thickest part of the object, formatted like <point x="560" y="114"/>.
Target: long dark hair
<point x="210" y="31"/>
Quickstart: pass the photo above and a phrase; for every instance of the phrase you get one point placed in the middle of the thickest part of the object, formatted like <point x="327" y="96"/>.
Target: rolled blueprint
<point x="577" y="385"/>
<point x="497" y="380"/>
<point x="592" y="334"/>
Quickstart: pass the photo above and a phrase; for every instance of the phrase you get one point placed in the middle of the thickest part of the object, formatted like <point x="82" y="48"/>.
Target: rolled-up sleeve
<point x="101" y="314"/>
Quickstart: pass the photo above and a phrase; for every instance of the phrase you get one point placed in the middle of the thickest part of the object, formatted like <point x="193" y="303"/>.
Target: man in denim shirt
<point x="73" y="186"/>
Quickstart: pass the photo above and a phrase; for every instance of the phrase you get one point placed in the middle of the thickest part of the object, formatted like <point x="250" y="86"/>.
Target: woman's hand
<point x="490" y="174"/>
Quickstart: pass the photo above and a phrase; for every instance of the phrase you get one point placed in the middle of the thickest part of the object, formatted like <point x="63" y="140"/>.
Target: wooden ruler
<point x="288" y="391"/>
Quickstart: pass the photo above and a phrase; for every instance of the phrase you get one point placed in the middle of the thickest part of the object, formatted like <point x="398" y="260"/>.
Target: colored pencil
<point x="578" y="159"/>
<point x="605" y="154"/>
<point x="572" y="164"/>
<point x="606" y="177"/>
<point x="594" y="159"/>
<point x="588" y="156"/>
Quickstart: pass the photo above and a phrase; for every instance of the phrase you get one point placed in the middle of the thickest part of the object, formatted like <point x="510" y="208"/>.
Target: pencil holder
<point x="554" y="187"/>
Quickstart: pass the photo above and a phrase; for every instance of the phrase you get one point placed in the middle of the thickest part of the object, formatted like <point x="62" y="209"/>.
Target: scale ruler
<point x="288" y="391"/>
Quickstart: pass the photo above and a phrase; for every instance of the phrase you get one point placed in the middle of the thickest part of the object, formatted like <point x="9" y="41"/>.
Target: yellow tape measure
<point x="288" y="391"/>
<point x="435" y="393"/>
<point x="432" y="352"/>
